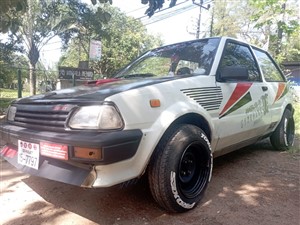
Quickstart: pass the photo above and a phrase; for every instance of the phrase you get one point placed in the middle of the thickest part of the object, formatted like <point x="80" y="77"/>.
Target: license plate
<point x="53" y="150"/>
<point x="28" y="154"/>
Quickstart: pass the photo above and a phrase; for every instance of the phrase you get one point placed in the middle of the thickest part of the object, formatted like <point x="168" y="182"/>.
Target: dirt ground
<point x="249" y="187"/>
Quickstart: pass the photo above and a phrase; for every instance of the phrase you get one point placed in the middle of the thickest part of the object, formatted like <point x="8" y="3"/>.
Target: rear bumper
<point x="116" y="147"/>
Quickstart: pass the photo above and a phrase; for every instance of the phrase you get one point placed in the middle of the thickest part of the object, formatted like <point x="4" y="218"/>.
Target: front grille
<point x="42" y="117"/>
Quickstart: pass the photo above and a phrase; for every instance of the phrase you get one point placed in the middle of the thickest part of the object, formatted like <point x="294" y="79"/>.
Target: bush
<point x="8" y="95"/>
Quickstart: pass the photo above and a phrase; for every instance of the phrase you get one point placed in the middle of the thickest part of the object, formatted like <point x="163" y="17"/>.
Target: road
<point x="251" y="186"/>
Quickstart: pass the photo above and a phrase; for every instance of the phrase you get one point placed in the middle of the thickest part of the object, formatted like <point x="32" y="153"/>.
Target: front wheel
<point x="283" y="137"/>
<point x="180" y="169"/>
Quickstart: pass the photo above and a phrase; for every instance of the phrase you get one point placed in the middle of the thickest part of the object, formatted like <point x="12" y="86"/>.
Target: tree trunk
<point x="280" y="25"/>
<point x="33" y="56"/>
<point x="32" y="78"/>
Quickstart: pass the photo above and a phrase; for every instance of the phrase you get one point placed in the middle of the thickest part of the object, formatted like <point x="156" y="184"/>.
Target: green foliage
<point x="295" y="148"/>
<point x="4" y="103"/>
<point x="227" y="18"/>
<point x="7" y="96"/>
<point x="155" y="5"/>
<point x="45" y="19"/>
<point x="297" y="118"/>
<point x="156" y="66"/>
<point x="11" y="94"/>
<point x="9" y="64"/>
<point x="271" y="24"/>
<point x="278" y="20"/>
<point x="125" y="38"/>
<point x="9" y="7"/>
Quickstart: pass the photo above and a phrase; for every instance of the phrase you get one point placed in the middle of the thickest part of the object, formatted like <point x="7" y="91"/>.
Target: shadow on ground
<point x="251" y="186"/>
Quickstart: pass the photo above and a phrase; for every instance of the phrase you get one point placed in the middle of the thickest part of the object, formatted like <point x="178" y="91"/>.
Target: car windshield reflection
<point x="189" y="58"/>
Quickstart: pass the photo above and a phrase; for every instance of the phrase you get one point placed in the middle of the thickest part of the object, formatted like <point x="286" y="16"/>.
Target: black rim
<point x="194" y="170"/>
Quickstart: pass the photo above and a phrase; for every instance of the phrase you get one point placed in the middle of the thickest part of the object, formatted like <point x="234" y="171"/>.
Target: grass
<point x="8" y="95"/>
<point x="297" y="118"/>
<point x="4" y="103"/>
<point x="296" y="147"/>
<point x="11" y="93"/>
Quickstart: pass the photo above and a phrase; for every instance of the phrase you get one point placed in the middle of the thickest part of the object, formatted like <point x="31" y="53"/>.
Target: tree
<point x="271" y="24"/>
<point x="9" y="64"/>
<point x="43" y="20"/>
<point x="279" y="21"/>
<point x="9" y="7"/>
<point x="155" y="5"/>
<point x="225" y="17"/>
<point x="125" y="38"/>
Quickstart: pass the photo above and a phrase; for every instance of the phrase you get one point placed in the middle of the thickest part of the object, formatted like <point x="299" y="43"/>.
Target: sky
<point x="173" y="29"/>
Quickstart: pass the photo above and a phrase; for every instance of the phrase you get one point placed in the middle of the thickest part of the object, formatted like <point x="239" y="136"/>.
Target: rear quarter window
<point x="268" y="67"/>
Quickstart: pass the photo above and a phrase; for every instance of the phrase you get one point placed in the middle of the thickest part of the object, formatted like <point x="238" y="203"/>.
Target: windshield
<point x="188" y="58"/>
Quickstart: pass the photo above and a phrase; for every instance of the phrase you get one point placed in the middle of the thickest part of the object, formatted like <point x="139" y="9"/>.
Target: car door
<point x="244" y="113"/>
<point x="275" y="81"/>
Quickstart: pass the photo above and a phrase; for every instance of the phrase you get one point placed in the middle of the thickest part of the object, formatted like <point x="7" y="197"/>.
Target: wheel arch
<point x="188" y="118"/>
<point x="194" y="119"/>
<point x="289" y="107"/>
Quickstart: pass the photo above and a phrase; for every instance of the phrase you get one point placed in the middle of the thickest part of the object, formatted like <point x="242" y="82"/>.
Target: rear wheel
<point x="283" y="137"/>
<point x="180" y="168"/>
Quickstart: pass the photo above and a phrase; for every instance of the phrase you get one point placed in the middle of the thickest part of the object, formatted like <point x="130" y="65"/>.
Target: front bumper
<point x="115" y="146"/>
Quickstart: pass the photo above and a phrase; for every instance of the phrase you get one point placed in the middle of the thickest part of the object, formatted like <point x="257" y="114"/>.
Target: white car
<point x="166" y="115"/>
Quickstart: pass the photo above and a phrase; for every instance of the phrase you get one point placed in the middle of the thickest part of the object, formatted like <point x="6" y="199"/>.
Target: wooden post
<point x="19" y="84"/>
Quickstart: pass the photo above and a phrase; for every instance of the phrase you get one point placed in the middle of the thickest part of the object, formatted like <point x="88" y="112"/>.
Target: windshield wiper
<point x="137" y="75"/>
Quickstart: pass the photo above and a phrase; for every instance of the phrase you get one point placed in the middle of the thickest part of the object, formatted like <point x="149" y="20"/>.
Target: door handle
<point x="264" y="88"/>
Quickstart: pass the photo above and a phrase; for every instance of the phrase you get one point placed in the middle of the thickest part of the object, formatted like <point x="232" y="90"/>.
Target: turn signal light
<point x="155" y="103"/>
<point x="87" y="153"/>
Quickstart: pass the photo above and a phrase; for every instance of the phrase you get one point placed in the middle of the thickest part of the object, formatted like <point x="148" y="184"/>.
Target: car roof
<point x="221" y="38"/>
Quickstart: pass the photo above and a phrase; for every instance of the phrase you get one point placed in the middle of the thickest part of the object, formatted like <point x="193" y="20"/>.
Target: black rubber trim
<point x="116" y="146"/>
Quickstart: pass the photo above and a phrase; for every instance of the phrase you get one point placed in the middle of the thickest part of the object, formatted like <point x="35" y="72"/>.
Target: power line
<point x="134" y="10"/>
<point x="49" y="50"/>
<point x="52" y="43"/>
<point x="170" y="14"/>
<point x="154" y="19"/>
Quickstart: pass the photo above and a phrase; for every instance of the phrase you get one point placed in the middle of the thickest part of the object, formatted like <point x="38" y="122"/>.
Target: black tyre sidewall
<point x="174" y="149"/>
<point x="283" y="138"/>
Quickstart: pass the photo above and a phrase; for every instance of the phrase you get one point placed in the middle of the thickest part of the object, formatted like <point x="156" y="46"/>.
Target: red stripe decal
<point x="239" y="91"/>
<point x="280" y="90"/>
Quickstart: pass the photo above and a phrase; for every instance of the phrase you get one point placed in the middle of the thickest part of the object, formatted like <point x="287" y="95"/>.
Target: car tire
<point x="180" y="168"/>
<point x="283" y="136"/>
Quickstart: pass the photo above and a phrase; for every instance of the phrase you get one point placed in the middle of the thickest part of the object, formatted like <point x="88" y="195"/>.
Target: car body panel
<point x="233" y="113"/>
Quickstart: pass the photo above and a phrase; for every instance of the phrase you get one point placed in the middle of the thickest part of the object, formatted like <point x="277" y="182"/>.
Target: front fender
<point x="170" y="115"/>
<point x="152" y="134"/>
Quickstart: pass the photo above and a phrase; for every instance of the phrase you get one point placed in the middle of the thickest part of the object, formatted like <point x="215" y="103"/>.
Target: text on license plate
<point x="28" y="154"/>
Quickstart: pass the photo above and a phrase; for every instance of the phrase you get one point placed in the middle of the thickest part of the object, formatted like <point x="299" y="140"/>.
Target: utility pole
<point x="212" y="22"/>
<point x="199" y="19"/>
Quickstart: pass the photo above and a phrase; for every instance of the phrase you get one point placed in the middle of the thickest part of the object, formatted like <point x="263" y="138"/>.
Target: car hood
<point x="93" y="91"/>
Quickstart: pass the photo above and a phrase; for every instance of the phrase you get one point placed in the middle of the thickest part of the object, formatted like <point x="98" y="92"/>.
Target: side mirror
<point x="233" y="73"/>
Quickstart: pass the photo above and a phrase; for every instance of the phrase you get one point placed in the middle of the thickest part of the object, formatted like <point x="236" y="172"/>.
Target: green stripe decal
<point x="243" y="101"/>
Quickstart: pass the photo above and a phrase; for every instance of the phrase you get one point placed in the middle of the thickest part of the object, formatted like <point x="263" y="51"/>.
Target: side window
<point x="269" y="70"/>
<point x="238" y="64"/>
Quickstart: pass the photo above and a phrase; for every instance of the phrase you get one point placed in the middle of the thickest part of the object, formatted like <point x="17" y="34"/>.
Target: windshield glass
<point x="188" y="58"/>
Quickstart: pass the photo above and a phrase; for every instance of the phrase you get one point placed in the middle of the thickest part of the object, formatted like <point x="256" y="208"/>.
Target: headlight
<point x="11" y="113"/>
<point x="96" y="117"/>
